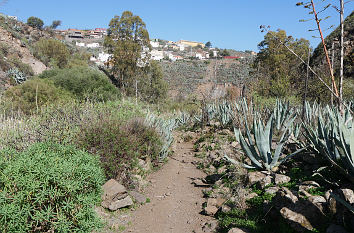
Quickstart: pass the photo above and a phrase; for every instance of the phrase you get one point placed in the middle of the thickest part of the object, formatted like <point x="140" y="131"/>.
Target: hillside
<point x="212" y="77"/>
<point x="16" y="39"/>
<point x="318" y="58"/>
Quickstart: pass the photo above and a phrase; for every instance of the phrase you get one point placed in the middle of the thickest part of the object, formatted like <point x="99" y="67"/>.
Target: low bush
<point x="51" y="52"/>
<point x="49" y="188"/>
<point x="31" y="95"/>
<point x="83" y="82"/>
<point x="120" y="145"/>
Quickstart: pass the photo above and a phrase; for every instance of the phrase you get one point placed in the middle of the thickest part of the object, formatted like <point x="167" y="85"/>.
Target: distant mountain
<point x="318" y="59"/>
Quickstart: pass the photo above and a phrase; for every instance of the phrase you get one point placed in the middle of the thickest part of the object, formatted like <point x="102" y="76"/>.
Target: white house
<point x="199" y="56"/>
<point x="80" y="44"/>
<point x="93" y="45"/>
<point x="155" y="44"/>
<point x="103" y="57"/>
<point x="156" y="55"/>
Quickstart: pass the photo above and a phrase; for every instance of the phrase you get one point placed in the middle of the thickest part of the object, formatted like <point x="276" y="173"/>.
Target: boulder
<point x="348" y="195"/>
<point x="297" y="221"/>
<point x="138" y="197"/>
<point x="272" y="190"/>
<point x="210" y="210"/>
<point x="265" y="181"/>
<point x="281" y="179"/>
<point x="118" y="204"/>
<point x="284" y="198"/>
<point x="255" y="177"/>
<point x="112" y="191"/>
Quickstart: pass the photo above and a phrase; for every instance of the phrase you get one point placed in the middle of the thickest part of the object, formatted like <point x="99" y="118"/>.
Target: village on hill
<point x="160" y="49"/>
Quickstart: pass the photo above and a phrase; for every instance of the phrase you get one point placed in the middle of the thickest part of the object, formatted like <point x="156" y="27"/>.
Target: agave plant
<point x="283" y="114"/>
<point x="334" y="139"/>
<point x="258" y="146"/>
<point x="165" y="129"/>
<point x="17" y="75"/>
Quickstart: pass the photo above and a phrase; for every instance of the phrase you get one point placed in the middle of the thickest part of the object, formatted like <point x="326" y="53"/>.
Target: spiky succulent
<point x="334" y="139"/>
<point x="258" y="146"/>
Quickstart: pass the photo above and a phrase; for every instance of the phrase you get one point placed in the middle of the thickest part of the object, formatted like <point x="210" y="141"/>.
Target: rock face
<point x="115" y="196"/>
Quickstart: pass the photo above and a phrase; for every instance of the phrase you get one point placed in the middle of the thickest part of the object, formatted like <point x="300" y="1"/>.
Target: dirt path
<point x="175" y="203"/>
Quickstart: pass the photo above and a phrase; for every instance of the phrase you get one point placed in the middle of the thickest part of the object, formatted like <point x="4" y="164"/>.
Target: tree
<point x="279" y="71"/>
<point x="128" y="42"/>
<point x="208" y="44"/>
<point x="35" y="22"/>
<point x="153" y="87"/>
<point x="55" y="24"/>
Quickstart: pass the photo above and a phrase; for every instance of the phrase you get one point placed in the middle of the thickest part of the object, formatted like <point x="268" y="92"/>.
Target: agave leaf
<point x="248" y="151"/>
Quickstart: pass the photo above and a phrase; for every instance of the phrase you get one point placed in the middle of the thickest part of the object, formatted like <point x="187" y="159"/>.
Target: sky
<point x="232" y="24"/>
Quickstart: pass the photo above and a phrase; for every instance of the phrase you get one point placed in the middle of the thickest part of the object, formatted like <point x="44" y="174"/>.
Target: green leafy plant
<point x="49" y="187"/>
<point x="83" y="83"/>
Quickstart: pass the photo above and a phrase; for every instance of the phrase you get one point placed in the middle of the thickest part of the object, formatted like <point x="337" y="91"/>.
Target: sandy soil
<point x="175" y="203"/>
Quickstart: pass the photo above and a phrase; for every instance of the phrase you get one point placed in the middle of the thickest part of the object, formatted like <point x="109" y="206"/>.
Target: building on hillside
<point x="80" y="44"/>
<point x="191" y="43"/>
<point x="74" y="33"/>
<point x="103" y="31"/>
<point x="156" y="55"/>
<point x="155" y="44"/>
<point x="93" y="45"/>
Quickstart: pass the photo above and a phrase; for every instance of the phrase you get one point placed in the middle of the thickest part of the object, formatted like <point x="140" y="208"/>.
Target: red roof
<point x="230" y="57"/>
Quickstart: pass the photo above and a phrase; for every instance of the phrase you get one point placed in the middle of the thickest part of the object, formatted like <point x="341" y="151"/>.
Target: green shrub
<point x="33" y="94"/>
<point x="120" y="145"/>
<point x="52" y="52"/>
<point x="49" y="188"/>
<point x="83" y="82"/>
<point x="35" y="22"/>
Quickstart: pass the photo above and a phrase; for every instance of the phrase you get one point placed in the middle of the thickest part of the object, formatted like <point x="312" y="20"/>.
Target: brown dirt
<point x="175" y="203"/>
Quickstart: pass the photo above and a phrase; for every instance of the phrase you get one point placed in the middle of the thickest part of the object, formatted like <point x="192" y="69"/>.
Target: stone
<point x="237" y="230"/>
<point x="126" y="202"/>
<point x="235" y="144"/>
<point x="284" y="197"/>
<point x="336" y="229"/>
<point x="318" y="201"/>
<point x="112" y="190"/>
<point x="225" y="208"/>
<point x="281" y="179"/>
<point x="272" y="190"/>
<point x="255" y="177"/>
<point x="296" y="220"/>
<point x="138" y="197"/>
<point x="348" y="195"/>
<point x="306" y="185"/>
<point x="265" y="181"/>
<point x="199" y="183"/>
<point x="210" y="210"/>
<point x="251" y="195"/>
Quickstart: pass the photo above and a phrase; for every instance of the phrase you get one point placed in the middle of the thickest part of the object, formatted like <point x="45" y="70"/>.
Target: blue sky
<point x="226" y="23"/>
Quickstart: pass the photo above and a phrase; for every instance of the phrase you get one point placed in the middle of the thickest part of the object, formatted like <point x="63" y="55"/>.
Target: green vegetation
<point x="127" y="37"/>
<point x="52" y="52"/>
<point x="121" y="145"/>
<point x="49" y="187"/>
<point x="35" y="22"/>
<point x="83" y="83"/>
<point x="278" y="70"/>
<point x="31" y="95"/>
